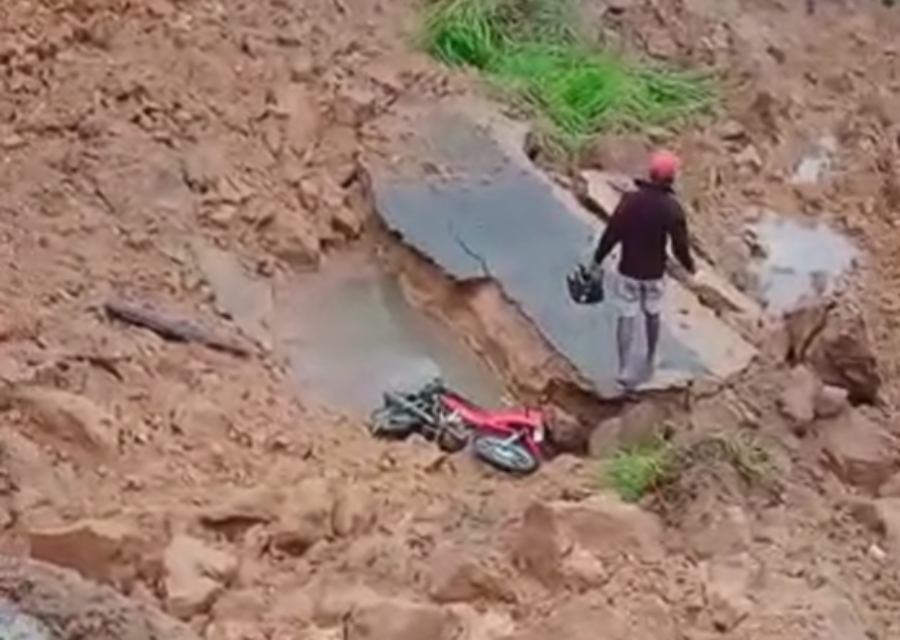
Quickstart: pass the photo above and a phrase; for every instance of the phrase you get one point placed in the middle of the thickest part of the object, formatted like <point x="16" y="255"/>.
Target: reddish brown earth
<point x="195" y="482"/>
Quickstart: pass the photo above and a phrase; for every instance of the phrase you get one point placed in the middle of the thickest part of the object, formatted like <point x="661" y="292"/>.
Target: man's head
<point x="663" y="167"/>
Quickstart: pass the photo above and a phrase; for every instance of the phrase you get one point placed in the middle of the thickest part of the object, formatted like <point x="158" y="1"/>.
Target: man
<point x="643" y="223"/>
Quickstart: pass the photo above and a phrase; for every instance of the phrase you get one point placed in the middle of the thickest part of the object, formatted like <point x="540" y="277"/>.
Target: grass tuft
<point x="532" y="49"/>
<point x="636" y="471"/>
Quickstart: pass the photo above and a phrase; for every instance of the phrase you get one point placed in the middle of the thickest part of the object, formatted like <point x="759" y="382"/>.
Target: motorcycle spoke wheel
<point x="509" y="457"/>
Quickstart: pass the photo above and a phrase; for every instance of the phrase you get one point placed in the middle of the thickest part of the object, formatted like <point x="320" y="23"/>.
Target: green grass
<point x="636" y="471"/>
<point x="533" y="50"/>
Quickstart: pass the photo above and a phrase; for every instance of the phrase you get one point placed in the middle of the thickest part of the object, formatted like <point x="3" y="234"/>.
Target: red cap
<point x="663" y="166"/>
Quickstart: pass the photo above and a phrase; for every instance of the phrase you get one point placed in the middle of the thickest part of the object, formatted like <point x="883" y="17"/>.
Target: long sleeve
<point x="681" y="246"/>
<point x="611" y="235"/>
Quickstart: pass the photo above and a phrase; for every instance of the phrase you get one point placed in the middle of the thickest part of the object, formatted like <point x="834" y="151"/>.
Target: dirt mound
<point x="68" y="607"/>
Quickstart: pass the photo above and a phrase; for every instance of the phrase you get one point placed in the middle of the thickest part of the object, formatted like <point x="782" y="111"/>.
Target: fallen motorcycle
<point x="510" y="440"/>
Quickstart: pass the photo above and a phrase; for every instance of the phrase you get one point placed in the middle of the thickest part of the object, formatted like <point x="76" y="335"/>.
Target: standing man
<point x="643" y="223"/>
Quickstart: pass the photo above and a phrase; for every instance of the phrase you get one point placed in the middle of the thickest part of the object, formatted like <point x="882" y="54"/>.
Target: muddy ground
<point x="198" y="482"/>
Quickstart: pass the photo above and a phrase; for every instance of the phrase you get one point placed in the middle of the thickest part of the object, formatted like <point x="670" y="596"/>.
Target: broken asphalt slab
<point x="460" y="190"/>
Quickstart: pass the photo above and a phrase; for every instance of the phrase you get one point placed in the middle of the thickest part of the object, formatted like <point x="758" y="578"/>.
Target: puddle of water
<point x="802" y="260"/>
<point x="813" y="166"/>
<point x="15" y="625"/>
<point x="350" y="334"/>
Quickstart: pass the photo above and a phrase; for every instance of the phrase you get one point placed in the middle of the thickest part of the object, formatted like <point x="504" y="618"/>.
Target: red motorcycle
<point x="511" y="441"/>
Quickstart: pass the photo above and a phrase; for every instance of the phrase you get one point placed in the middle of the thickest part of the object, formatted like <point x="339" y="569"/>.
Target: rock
<point x="797" y="400"/>
<point x="891" y="488"/>
<point x="604" y="439"/>
<point x="401" y="620"/>
<point x="203" y="166"/>
<point x="195" y="575"/>
<point x="889" y="511"/>
<point x="860" y="452"/>
<point x="712" y="531"/>
<point x="71" y="607"/>
<point x="234" y="630"/>
<point x="844" y="358"/>
<point x="641" y="424"/>
<point x="831" y="402"/>
<point x="728" y="581"/>
<point x="327" y="602"/>
<point x="732" y="130"/>
<point x="354" y="512"/>
<point x="538" y="547"/>
<point x="197" y="416"/>
<point x="749" y="157"/>
<point x="302" y="66"/>
<point x="100" y="550"/>
<point x="305" y="518"/>
<point x="457" y="577"/>
<point x="610" y="529"/>
<point x="243" y="508"/>
<point x="882" y="517"/>
<point x="68" y="419"/>
<point x="290" y="238"/>
<point x="588" y="617"/>
<point x="802" y="327"/>
<point x="354" y="106"/>
<point x="297" y="105"/>
<point x="565" y="432"/>
<point x="346" y="221"/>
<point x="554" y="542"/>
<point x="623" y="153"/>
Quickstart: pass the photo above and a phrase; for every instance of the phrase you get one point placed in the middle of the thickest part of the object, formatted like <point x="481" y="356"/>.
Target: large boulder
<point x="843" y="357"/>
<point x="195" y="575"/>
<point x="101" y="550"/>
<point x="860" y="451"/>
<point x="641" y="424"/>
<point x="396" y="619"/>
<point x="573" y="542"/>
<point x="457" y="576"/>
<point x="241" y="508"/>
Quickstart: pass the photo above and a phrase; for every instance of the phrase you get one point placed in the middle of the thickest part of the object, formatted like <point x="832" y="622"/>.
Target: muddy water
<point x="349" y="333"/>
<point x="801" y="260"/>
<point x="346" y="331"/>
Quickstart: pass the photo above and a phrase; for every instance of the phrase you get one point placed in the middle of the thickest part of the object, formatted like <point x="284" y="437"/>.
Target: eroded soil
<point x="198" y="482"/>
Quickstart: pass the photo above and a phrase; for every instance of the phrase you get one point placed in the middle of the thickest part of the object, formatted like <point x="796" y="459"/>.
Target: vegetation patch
<point x="533" y="51"/>
<point x="668" y="471"/>
<point x="636" y="471"/>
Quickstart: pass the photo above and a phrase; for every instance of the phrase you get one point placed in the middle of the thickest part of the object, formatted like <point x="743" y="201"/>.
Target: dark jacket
<point x="644" y="220"/>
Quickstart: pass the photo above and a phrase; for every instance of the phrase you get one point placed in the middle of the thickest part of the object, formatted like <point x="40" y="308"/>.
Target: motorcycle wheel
<point x="388" y="423"/>
<point x="505" y="456"/>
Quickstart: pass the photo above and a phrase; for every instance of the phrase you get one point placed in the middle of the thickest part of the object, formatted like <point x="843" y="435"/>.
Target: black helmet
<point x="585" y="287"/>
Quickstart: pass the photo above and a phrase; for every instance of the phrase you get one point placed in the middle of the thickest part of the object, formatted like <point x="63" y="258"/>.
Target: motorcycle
<point x="512" y="441"/>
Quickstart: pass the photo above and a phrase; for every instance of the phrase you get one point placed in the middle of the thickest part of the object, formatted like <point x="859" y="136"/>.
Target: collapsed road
<point x="473" y="204"/>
